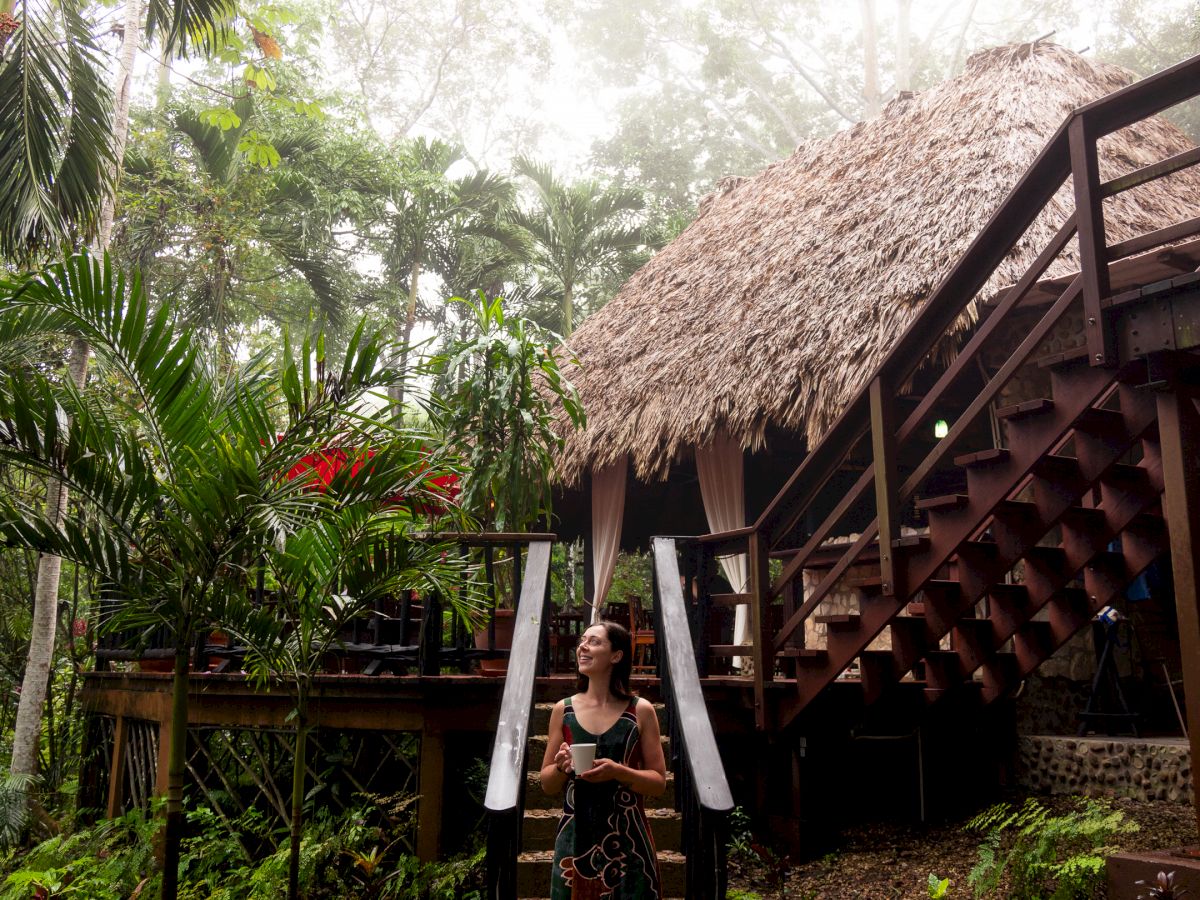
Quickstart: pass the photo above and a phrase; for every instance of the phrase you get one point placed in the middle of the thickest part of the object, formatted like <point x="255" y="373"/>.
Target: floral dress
<point x="603" y="850"/>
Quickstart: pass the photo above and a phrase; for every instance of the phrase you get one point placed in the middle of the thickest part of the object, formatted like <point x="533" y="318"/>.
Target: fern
<point x="1033" y="853"/>
<point x="14" y="807"/>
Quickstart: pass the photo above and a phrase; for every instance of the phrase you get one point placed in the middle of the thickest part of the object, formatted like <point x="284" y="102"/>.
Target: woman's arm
<point x="556" y="761"/>
<point x="650" y="780"/>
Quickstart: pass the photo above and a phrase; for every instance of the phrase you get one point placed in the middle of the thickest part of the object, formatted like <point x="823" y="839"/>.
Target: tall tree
<point x="578" y="233"/>
<point x="430" y="215"/>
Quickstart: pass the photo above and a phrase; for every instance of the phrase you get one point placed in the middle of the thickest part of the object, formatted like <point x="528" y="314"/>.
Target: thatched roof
<point x="781" y="298"/>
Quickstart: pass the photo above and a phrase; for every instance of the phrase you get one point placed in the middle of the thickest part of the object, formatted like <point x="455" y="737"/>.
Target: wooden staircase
<point x="1045" y="525"/>
<point x="542" y="812"/>
<point x="1046" y="533"/>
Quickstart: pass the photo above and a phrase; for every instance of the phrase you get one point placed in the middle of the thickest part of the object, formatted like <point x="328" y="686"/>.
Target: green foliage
<point x="736" y="894"/>
<point x="347" y="856"/>
<point x="938" y="887"/>
<point x="56" y="142"/>
<point x="1031" y="853"/>
<point x="740" y="835"/>
<point x="108" y="861"/>
<point x="14" y="791"/>
<point x="500" y="415"/>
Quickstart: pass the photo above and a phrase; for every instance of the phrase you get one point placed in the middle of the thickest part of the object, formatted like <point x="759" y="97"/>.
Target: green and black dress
<point x="604" y="850"/>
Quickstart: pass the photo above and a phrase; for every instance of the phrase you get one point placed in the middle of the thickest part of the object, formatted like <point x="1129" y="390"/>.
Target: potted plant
<point x="499" y="390"/>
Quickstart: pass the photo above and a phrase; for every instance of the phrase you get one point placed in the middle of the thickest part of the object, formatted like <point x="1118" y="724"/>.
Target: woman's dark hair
<point x="619" y="639"/>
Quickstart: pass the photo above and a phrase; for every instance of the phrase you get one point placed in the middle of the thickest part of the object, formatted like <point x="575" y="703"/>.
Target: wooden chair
<point x="642" y="632"/>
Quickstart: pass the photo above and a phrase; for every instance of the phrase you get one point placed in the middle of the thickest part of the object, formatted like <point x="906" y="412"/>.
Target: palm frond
<point x="56" y="142"/>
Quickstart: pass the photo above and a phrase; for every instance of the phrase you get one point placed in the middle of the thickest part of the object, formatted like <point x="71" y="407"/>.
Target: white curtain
<point x="719" y="466"/>
<point x="608" y="509"/>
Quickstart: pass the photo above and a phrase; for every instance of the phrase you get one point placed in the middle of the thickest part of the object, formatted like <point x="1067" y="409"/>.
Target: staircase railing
<point x="505" y="799"/>
<point x="701" y="790"/>
<point x="869" y="427"/>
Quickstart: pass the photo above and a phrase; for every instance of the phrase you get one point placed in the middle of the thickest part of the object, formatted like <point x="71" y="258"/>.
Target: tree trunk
<point x="396" y="391"/>
<point x="903" y="46"/>
<point x="45" y="614"/>
<point x="173" y="831"/>
<point x="45" y="604"/>
<point x="871" y="95"/>
<point x="568" y="309"/>
<point x="297" y="811"/>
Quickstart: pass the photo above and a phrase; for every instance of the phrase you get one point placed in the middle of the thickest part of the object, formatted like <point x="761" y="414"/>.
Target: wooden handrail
<point x="701" y="786"/>
<point x="506" y="776"/>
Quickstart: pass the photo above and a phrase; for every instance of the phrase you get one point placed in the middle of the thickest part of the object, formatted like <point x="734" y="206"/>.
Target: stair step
<point x="1101" y="422"/>
<point x="1024" y="409"/>
<point x="863" y="581"/>
<point x="536" y="798"/>
<point x="533" y="873"/>
<point x="943" y="669"/>
<point x="946" y="501"/>
<point x="839" y="621"/>
<point x="1064" y="358"/>
<point x="982" y="458"/>
<point x="541" y="827"/>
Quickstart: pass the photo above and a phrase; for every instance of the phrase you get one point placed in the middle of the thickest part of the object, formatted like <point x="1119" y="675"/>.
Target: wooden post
<point x="1093" y="249"/>
<point x="883" y="451"/>
<point x="163" y="763"/>
<point x="431" y="788"/>
<point x="1179" y="430"/>
<point x="116" y="770"/>
<point x="763" y="649"/>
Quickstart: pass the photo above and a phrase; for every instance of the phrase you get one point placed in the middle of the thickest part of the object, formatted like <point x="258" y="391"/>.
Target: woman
<point x="604" y="850"/>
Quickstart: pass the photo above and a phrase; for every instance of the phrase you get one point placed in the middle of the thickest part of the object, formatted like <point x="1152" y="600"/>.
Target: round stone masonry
<point x="1137" y="768"/>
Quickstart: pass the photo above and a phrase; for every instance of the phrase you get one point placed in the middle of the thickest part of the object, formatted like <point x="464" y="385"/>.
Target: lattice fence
<point x="96" y="764"/>
<point x="141" y="764"/>
<point x="232" y="771"/>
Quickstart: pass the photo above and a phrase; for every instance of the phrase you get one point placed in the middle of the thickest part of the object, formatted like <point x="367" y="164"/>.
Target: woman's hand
<point x="603" y="770"/>
<point x="562" y="759"/>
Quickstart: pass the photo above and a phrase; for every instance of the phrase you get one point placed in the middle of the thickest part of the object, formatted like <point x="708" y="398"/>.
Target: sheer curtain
<point x="608" y="509"/>
<point x="719" y="466"/>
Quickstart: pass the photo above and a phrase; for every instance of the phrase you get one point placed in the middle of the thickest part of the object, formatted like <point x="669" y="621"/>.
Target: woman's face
<point x="595" y="653"/>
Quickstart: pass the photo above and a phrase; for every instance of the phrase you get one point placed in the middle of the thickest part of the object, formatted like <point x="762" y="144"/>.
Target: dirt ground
<point x="877" y="861"/>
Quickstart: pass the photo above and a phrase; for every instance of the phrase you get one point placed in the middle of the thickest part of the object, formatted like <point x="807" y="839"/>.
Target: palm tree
<point x="429" y="217"/>
<point x="579" y="232"/>
<point x="180" y="481"/>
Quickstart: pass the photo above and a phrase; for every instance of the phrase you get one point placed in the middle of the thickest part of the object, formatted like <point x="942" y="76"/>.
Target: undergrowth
<point x="357" y="855"/>
<point x="1027" y="852"/>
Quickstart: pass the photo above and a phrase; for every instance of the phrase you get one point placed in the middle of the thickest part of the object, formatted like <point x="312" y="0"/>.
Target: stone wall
<point x="1140" y="769"/>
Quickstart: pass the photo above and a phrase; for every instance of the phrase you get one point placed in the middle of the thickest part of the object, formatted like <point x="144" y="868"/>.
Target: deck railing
<point x="409" y="633"/>
<point x="870" y="427"/>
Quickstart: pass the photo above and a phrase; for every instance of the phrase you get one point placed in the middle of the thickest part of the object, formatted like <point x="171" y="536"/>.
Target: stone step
<point x="536" y="798"/>
<point x="533" y="873"/>
<point x="537" y="750"/>
<point x="541" y="826"/>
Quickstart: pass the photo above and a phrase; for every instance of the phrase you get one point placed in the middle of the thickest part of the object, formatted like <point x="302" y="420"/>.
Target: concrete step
<point x="536" y="798"/>
<point x="537" y="750"/>
<point x="533" y="873"/>
<point x="541" y="827"/>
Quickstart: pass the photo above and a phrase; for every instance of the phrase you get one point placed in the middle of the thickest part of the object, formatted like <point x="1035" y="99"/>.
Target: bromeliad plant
<point x="180" y="468"/>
